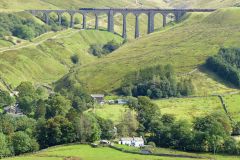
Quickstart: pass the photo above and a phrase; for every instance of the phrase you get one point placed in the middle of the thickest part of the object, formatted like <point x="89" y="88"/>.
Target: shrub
<point x="75" y="59"/>
<point x="99" y="50"/>
<point x="96" y="50"/>
<point x="152" y="144"/>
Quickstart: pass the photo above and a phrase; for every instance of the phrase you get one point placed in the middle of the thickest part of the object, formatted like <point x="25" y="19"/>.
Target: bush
<point x="22" y="143"/>
<point x="99" y="50"/>
<point x="96" y="50"/>
<point x="152" y="144"/>
<point x="110" y="47"/>
<point x="75" y="59"/>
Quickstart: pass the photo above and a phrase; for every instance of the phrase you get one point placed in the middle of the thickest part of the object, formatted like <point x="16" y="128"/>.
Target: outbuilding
<point x="99" y="98"/>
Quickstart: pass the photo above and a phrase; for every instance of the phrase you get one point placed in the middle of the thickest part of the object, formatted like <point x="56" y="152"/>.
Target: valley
<point x="73" y="89"/>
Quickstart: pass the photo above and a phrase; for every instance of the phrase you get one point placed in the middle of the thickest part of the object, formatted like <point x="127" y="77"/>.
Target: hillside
<point x="73" y="4"/>
<point x="70" y="4"/>
<point x="47" y="58"/>
<point x="191" y="42"/>
<point x="202" y="3"/>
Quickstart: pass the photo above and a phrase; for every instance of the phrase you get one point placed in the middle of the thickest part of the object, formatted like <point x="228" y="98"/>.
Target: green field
<point x="181" y="108"/>
<point x="189" y="108"/>
<point x="85" y="152"/>
<point x="112" y="112"/>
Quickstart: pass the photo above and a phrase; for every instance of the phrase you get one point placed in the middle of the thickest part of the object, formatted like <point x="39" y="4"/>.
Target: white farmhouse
<point x="134" y="141"/>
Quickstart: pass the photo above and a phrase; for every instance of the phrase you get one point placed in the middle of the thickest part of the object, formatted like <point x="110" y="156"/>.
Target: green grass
<point x="190" y="108"/>
<point x="4" y="43"/>
<point x="85" y="152"/>
<point x="233" y="106"/>
<point x="112" y="112"/>
<point x="186" y="46"/>
<point x="172" y="151"/>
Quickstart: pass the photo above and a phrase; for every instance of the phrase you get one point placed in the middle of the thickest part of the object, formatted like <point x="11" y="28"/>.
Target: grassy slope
<point x="88" y="153"/>
<point x="203" y="3"/>
<point x="233" y="106"/>
<point x="73" y="4"/>
<point x="191" y="42"/>
<point x="53" y="4"/>
<point x="112" y="112"/>
<point x="189" y="108"/>
<point x="47" y="61"/>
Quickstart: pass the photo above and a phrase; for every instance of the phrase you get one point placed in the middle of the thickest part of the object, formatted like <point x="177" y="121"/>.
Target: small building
<point x="111" y="102"/>
<point x="13" y="110"/>
<point x="122" y="101"/>
<point x="134" y="141"/>
<point x="105" y="142"/>
<point x="99" y="98"/>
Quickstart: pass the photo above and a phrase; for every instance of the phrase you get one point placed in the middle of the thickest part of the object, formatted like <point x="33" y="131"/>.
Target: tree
<point x="6" y="99"/>
<point x="26" y="89"/>
<point x="24" y="32"/>
<point x="26" y="104"/>
<point x="7" y="124"/>
<point x="40" y="110"/>
<point x="87" y="128"/>
<point x="128" y="125"/>
<point x="25" y="124"/>
<point x="168" y="119"/>
<point x="74" y="91"/>
<point x="22" y="143"/>
<point x="4" y="146"/>
<point x="147" y="112"/>
<point x="55" y="131"/>
<point x="107" y="128"/>
<point x="181" y="135"/>
<point x="214" y="132"/>
<point x="230" y="146"/>
<point x="27" y="97"/>
<point x="57" y="105"/>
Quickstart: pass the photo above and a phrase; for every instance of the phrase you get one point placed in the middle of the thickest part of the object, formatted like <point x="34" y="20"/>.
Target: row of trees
<point x="156" y="82"/>
<point x="211" y="133"/>
<point x="13" y="24"/>
<point x="226" y="64"/>
<point x="100" y="50"/>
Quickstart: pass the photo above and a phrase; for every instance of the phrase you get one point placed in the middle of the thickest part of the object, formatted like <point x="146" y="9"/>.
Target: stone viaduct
<point x="110" y="12"/>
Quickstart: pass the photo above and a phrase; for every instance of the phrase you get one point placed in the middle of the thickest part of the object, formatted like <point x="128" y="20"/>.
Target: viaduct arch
<point x="110" y="12"/>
